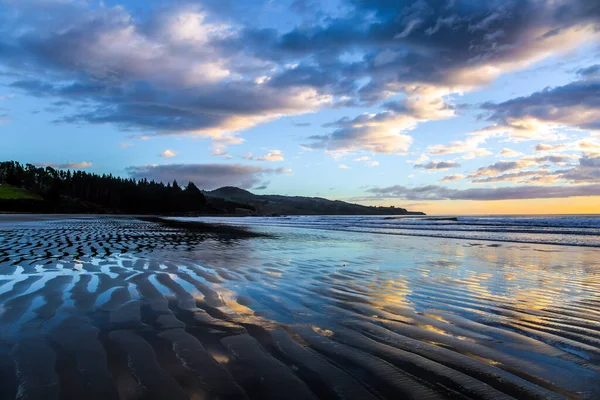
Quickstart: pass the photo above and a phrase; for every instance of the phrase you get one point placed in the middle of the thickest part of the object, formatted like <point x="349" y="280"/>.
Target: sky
<point x="442" y="106"/>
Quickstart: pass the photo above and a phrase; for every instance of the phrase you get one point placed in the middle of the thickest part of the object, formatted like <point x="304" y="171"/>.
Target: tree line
<point x="78" y="191"/>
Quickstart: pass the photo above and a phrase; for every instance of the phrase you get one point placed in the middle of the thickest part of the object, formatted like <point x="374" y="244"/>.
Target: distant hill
<point x="295" y="205"/>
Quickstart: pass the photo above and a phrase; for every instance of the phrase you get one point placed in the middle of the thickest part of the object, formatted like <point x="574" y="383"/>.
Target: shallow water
<point x="120" y="308"/>
<point x="570" y="230"/>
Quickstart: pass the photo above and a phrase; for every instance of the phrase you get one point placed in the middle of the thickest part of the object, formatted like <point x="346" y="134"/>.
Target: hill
<point x="9" y="192"/>
<point x="297" y="205"/>
<point x="27" y="188"/>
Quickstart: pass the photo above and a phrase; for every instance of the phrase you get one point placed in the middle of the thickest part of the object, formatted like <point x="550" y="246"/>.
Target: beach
<point x="126" y="308"/>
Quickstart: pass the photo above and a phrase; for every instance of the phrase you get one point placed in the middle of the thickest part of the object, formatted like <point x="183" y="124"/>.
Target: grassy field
<point x="8" y="192"/>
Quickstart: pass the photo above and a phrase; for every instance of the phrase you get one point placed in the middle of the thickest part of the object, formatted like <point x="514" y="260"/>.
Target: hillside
<point x="9" y="192"/>
<point x="298" y="205"/>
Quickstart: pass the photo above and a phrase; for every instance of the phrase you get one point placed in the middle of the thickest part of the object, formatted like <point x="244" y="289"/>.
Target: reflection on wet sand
<point x="123" y="308"/>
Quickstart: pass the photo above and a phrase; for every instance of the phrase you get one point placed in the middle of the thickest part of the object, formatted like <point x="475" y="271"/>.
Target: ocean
<point x="114" y="307"/>
<point x="572" y="230"/>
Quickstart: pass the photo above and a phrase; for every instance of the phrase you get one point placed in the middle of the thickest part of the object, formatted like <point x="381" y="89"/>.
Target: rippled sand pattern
<point x="119" y="308"/>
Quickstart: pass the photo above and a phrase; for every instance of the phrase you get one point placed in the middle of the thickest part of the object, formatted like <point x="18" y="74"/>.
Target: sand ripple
<point x="114" y="308"/>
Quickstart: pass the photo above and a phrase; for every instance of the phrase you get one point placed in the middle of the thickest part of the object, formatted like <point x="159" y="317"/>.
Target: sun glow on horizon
<point x="572" y="205"/>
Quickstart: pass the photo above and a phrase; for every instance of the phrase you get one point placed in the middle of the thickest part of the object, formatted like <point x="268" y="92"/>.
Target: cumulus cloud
<point x="506" y="152"/>
<point x="206" y="176"/>
<point x="470" y="148"/>
<point x="549" y="147"/>
<point x="452" y="178"/>
<point x="343" y="166"/>
<point x="71" y="165"/>
<point x="471" y="144"/>
<point x="377" y="133"/>
<point x="385" y="131"/>
<point x="221" y="153"/>
<point x="167" y="153"/>
<point x="273" y="155"/>
<point x="438" y="165"/>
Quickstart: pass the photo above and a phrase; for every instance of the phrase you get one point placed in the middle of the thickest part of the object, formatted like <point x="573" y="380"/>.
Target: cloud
<point x="576" y="105"/>
<point x="422" y="159"/>
<point x="377" y="133"/>
<point x="206" y="176"/>
<point x="124" y="145"/>
<point x="471" y="144"/>
<point x="506" y="152"/>
<point x="452" y="178"/>
<point x="373" y="164"/>
<point x="382" y="132"/>
<point x="77" y="165"/>
<point x="213" y="72"/>
<point x="273" y="155"/>
<point x="458" y="47"/>
<point x="592" y="71"/>
<point x="588" y="147"/>
<point x="522" y="163"/>
<point x="221" y="153"/>
<point x="175" y="71"/>
<point x="167" y="154"/>
<point x="588" y="171"/>
<point x="438" y="165"/>
<point x="435" y="192"/>
<point x="343" y="166"/>
<point x="501" y="166"/>
<point x="549" y="147"/>
<point x="469" y="148"/>
<point x="513" y="176"/>
<point x="568" y="168"/>
<point x="385" y="131"/>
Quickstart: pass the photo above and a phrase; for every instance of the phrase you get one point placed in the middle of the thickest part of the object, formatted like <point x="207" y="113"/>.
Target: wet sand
<point x="118" y="307"/>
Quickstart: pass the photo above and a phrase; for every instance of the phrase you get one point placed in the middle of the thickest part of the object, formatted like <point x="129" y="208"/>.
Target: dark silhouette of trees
<point x="78" y="191"/>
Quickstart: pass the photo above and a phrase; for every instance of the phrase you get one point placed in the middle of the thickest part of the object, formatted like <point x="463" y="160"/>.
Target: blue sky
<point x="418" y="103"/>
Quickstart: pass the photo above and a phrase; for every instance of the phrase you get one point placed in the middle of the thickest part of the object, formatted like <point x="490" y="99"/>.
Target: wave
<point x="554" y="230"/>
